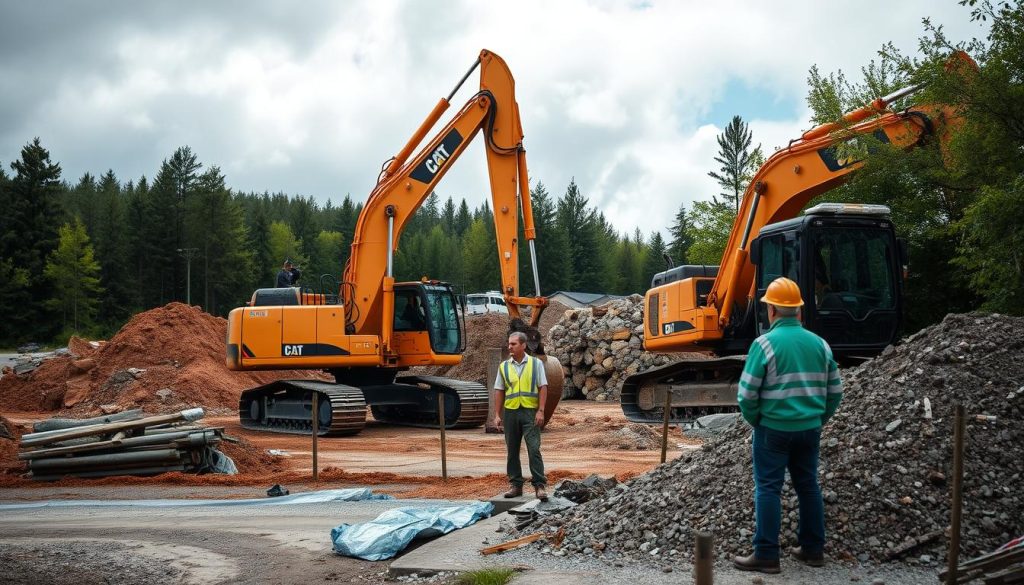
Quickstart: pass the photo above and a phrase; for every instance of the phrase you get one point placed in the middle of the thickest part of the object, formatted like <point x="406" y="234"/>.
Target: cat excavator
<point x="846" y="259"/>
<point x="374" y="328"/>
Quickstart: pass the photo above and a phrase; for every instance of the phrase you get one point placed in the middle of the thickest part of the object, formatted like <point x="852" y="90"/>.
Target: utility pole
<point x="188" y="254"/>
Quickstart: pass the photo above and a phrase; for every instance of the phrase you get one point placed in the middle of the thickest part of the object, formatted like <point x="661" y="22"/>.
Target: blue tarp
<point x="342" y="495"/>
<point x="388" y="534"/>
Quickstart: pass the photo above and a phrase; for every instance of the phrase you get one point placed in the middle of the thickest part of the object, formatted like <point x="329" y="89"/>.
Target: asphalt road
<point x="186" y="544"/>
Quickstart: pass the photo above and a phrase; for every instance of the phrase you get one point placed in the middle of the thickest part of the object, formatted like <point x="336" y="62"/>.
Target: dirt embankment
<point x="163" y="360"/>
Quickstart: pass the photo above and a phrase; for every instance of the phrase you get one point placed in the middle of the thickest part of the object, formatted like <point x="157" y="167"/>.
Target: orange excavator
<point x="846" y="258"/>
<point x="374" y="328"/>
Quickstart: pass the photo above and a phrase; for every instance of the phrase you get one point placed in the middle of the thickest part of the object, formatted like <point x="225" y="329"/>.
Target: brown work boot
<point x="811" y="560"/>
<point x="752" y="563"/>
<point x="514" y="492"/>
<point x="541" y="494"/>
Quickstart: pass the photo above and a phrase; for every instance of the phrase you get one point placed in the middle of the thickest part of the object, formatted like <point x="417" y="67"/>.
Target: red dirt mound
<point x="163" y="360"/>
<point x="9" y="435"/>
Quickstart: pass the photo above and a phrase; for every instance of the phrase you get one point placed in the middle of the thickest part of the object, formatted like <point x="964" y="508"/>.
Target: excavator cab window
<point x="779" y="256"/>
<point x="854" y="271"/>
<point x="409" y="312"/>
<point x="443" y="321"/>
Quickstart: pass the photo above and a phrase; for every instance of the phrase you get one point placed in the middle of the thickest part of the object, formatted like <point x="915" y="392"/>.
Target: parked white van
<point x="488" y="302"/>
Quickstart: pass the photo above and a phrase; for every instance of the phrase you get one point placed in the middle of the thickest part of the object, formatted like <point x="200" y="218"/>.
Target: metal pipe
<point x="390" y="212"/>
<point x="110" y="472"/>
<point x="190" y="415"/>
<point x="132" y="457"/>
<point x="536" y="275"/>
<point x="904" y="92"/>
<point x="464" y="78"/>
<point x="750" y="218"/>
<point x="55" y="424"/>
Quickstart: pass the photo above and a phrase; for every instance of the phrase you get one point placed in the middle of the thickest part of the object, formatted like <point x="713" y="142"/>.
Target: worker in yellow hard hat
<point x="789" y="388"/>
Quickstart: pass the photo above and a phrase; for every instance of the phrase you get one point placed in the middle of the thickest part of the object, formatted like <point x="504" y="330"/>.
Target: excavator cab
<point x="847" y="261"/>
<point x="426" y="320"/>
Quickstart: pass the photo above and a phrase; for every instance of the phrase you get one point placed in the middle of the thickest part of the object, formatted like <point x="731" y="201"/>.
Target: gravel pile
<point x="886" y="463"/>
<point x="600" y="346"/>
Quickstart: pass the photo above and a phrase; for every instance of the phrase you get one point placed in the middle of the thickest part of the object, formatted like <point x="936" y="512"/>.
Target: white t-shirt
<point x="542" y="378"/>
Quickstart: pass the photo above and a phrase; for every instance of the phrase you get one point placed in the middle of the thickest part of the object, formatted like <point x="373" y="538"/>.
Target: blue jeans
<point x="774" y="452"/>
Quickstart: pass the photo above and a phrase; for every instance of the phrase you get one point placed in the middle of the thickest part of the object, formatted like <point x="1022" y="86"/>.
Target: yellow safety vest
<point x="521" y="391"/>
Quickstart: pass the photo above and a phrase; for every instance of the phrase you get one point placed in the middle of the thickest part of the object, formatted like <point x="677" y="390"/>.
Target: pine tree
<point x="578" y="222"/>
<point x="463" y="219"/>
<point x="681" y="239"/>
<point x="736" y="158"/>
<point x="74" y="275"/>
<point x="264" y="265"/>
<point x="28" y="235"/>
<point x="553" y="256"/>
<point x="164" y="230"/>
<point x="655" y="262"/>
<point x="448" y="217"/>
<point x="116" y="277"/>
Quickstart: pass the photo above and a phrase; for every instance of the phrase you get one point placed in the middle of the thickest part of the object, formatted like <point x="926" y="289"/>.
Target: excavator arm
<point x="409" y="178"/>
<point x="783" y="185"/>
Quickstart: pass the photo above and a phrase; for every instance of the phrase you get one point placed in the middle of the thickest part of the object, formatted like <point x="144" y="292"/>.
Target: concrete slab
<point x="449" y="552"/>
<point x="503" y="504"/>
<point x="549" y="577"/>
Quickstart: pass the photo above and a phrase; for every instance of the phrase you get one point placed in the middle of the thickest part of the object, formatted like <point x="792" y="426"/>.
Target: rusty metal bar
<point x="316" y="431"/>
<point x="703" y="559"/>
<point x="664" y="425"/>
<point x="444" y="447"/>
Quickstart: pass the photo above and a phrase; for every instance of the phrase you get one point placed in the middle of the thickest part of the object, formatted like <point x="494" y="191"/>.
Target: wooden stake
<point x="444" y="447"/>
<point x="490" y="550"/>
<point x="316" y="431"/>
<point x="703" y="559"/>
<point x="664" y="426"/>
<point x="959" y="427"/>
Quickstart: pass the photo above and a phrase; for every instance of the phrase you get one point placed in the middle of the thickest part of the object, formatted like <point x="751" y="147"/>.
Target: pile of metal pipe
<point x="127" y="443"/>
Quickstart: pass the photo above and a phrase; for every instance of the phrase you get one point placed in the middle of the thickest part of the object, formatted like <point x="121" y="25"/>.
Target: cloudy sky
<point x="310" y="98"/>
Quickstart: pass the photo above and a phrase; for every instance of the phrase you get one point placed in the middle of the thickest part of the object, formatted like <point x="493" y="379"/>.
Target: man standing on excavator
<point x="521" y="389"/>
<point x="789" y="388"/>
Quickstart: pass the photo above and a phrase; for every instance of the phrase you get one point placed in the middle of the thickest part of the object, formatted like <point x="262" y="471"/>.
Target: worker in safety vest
<point x="521" y="388"/>
<point x="790" y="387"/>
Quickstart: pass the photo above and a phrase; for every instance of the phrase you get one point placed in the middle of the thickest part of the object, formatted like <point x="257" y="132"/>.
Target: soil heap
<point x="163" y="360"/>
<point x="886" y="463"/>
<point x="9" y="435"/>
<point x="484" y="332"/>
<point x="600" y="346"/>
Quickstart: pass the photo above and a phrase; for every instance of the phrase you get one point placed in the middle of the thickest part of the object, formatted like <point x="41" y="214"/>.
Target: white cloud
<point x="614" y="94"/>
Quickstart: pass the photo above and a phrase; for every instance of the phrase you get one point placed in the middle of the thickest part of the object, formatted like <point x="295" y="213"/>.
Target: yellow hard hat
<point x="783" y="292"/>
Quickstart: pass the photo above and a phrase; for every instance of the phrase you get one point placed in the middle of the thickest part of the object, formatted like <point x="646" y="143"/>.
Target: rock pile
<point x="599" y="347"/>
<point x="886" y="463"/>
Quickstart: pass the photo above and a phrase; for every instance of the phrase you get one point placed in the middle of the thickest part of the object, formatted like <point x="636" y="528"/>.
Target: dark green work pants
<point x="521" y="424"/>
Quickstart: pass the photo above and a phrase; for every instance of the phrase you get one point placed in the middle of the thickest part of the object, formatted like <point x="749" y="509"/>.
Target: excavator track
<point x="698" y="387"/>
<point x="412" y="401"/>
<point x="286" y="406"/>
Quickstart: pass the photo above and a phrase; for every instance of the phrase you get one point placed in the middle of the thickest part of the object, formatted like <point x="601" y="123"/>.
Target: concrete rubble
<point x="886" y="464"/>
<point x="600" y="346"/>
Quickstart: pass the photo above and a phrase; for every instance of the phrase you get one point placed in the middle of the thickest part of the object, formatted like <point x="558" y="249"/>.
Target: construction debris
<point x="885" y="486"/>
<point x="130" y="445"/>
<point x="600" y="346"/>
<point x="584" y="491"/>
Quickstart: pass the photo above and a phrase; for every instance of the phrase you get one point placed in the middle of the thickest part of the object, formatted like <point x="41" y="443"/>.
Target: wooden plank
<point x="512" y="544"/>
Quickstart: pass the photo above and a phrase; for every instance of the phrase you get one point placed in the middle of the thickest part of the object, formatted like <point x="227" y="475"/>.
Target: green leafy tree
<point x="710" y="224"/>
<point x="74" y="275"/>
<point x="736" y="159"/>
<point x="326" y="259"/>
<point x="284" y="245"/>
<point x="480" y="263"/>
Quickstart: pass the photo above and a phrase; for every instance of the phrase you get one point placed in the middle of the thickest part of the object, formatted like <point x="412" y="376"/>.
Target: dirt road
<point x="582" y="438"/>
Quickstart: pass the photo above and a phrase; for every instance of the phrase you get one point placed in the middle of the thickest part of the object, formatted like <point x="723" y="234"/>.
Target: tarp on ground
<point x="388" y="534"/>
<point x="317" y="497"/>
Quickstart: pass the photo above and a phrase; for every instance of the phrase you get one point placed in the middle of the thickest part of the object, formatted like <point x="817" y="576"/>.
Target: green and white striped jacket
<point x="790" y="381"/>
